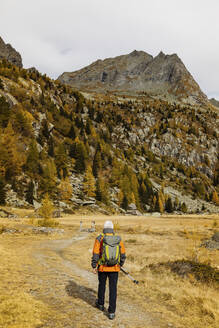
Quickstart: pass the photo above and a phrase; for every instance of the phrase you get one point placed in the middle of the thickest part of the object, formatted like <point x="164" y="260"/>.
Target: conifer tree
<point x="159" y="205"/>
<point x="11" y="158"/>
<point x="97" y="163"/>
<point x="176" y="203"/>
<point x="215" y="198"/>
<point x="169" y="205"/>
<point x="2" y="192"/>
<point x="89" y="184"/>
<point x="72" y="132"/>
<point x="4" y="112"/>
<point x="51" y="146"/>
<point x="61" y="160"/>
<point x="143" y="193"/>
<point x="135" y="188"/>
<point x="32" y="162"/>
<point x="125" y="203"/>
<point x="46" y="208"/>
<point x="80" y="155"/>
<point x="29" y="193"/>
<point x="184" y="208"/>
<point x="88" y="127"/>
<point x="49" y="177"/>
<point x="102" y="192"/>
<point x="65" y="189"/>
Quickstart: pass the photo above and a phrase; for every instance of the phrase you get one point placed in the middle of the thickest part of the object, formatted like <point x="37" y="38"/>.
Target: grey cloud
<point x="57" y="36"/>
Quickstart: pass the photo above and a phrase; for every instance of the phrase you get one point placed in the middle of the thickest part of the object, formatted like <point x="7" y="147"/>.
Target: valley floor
<point x="46" y="280"/>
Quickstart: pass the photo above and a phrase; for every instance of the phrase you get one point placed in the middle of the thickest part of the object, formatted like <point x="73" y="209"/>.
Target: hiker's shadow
<point x="84" y="293"/>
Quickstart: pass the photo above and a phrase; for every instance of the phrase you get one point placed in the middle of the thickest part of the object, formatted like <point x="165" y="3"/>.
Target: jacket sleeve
<point x="122" y="254"/>
<point x="96" y="252"/>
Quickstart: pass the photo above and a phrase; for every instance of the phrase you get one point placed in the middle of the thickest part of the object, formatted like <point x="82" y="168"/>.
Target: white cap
<point x="108" y="224"/>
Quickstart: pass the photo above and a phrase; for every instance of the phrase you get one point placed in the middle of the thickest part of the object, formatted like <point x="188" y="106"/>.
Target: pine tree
<point x="51" y="146"/>
<point x="2" y="192"/>
<point x="61" y="160"/>
<point x="4" y="112"/>
<point x="29" y="193"/>
<point x="32" y="162"/>
<point x="80" y="156"/>
<point x="49" y="177"/>
<point x="88" y="127"/>
<point x="72" y="132"/>
<point x="102" y="192"/>
<point x="125" y="203"/>
<point x="184" y="208"/>
<point x="11" y="158"/>
<point x="169" y="205"/>
<point x="97" y="163"/>
<point x="89" y="184"/>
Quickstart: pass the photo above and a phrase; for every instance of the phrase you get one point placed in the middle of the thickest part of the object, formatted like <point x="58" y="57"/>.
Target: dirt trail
<point x="62" y="281"/>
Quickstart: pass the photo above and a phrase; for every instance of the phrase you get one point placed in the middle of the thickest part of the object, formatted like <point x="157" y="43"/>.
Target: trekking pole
<point x="130" y="277"/>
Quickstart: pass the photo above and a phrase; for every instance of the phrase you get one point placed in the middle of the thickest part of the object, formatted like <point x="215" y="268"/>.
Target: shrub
<point x="52" y="223"/>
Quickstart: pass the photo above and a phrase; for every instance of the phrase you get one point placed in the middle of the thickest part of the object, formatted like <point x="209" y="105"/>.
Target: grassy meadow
<point x="46" y="280"/>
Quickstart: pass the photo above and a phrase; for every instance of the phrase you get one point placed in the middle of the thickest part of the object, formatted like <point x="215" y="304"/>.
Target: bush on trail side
<point x="195" y="271"/>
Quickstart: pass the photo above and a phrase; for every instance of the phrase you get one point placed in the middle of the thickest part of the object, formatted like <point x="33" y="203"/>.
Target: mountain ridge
<point x="119" y="154"/>
<point x="139" y="72"/>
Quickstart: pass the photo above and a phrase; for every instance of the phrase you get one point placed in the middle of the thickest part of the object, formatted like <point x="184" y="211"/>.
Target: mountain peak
<point x="138" y="72"/>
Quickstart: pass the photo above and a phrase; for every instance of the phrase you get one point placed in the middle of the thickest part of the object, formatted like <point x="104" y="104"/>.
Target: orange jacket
<point x="97" y="250"/>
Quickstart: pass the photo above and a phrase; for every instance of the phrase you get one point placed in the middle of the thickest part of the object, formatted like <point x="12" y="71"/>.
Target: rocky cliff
<point x="139" y="73"/>
<point x="9" y="53"/>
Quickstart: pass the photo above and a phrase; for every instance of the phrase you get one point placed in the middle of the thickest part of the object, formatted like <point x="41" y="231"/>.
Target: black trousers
<point x="113" y="279"/>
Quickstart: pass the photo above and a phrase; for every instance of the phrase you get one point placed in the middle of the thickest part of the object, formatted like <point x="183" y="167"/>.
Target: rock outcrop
<point x="9" y="53"/>
<point x="213" y="242"/>
<point x="214" y="102"/>
<point x="136" y="73"/>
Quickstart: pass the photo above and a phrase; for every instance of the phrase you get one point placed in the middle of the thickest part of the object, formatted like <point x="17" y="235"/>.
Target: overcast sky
<point x="65" y="35"/>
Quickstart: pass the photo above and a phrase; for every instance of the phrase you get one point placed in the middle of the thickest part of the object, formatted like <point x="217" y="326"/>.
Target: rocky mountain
<point x="9" y="53"/>
<point x="139" y="73"/>
<point x="106" y="152"/>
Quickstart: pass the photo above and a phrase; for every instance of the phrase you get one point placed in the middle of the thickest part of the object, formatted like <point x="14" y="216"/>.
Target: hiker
<point x="108" y="257"/>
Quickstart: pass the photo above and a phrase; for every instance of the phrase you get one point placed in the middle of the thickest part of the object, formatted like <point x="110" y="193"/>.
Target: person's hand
<point x="95" y="270"/>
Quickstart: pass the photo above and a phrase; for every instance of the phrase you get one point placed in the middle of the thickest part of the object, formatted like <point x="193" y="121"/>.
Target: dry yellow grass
<point x="46" y="280"/>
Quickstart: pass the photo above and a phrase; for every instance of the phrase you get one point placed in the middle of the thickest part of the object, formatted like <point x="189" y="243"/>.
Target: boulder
<point x="47" y="230"/>
<point x="134" y="212"/>
<point x="89" y="202"/>
<point x="132" y="206"/>
<point x="213" y="242"/>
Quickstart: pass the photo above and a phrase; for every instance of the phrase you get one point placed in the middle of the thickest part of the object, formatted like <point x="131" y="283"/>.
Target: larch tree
<point x="215" y="198"/>
<point x="89" y="184"/>
<point x="11" y="158"/>
<point x="65" y="189"/>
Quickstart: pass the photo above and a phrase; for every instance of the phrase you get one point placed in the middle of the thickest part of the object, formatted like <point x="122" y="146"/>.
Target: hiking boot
<point x="112" y="316"/>
<point x="100" y="307"/>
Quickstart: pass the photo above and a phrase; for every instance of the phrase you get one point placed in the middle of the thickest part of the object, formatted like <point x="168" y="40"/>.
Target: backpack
<point x="110" y="250"/>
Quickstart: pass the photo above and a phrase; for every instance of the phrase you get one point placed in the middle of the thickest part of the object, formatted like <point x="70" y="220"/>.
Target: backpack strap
<point x="100" y="237"/>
